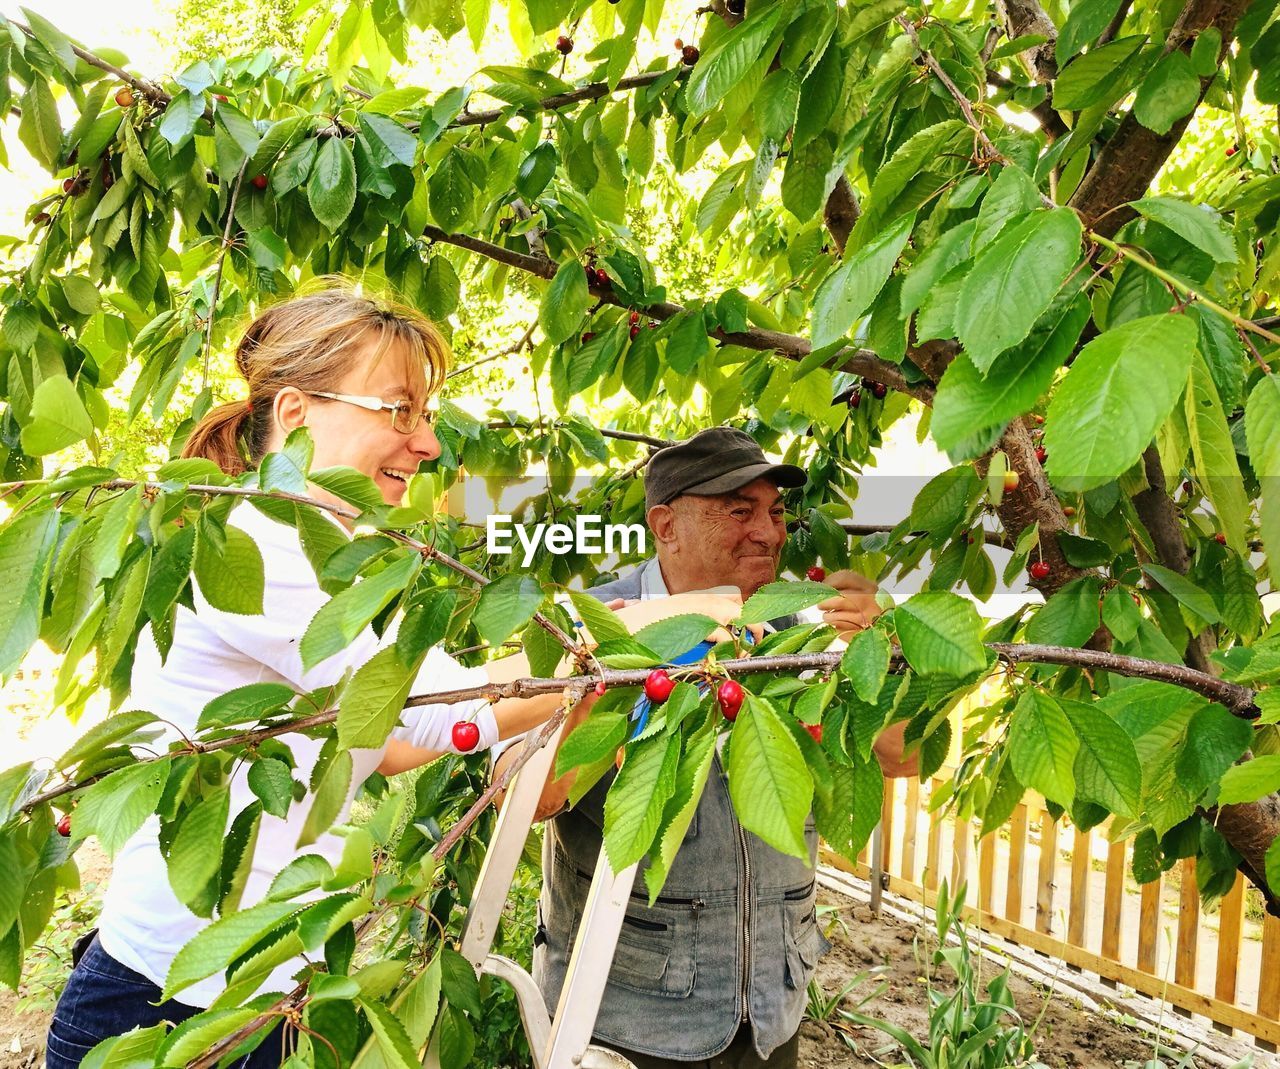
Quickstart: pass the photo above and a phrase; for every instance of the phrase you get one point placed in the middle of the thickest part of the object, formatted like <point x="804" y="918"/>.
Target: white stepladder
<point x="565" y="1042"/>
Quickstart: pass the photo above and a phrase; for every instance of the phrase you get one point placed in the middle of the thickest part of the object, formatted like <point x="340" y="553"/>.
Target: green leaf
<point x="451" y="192"/>
<point x="725" y="65"/>
<point x="940" y="633"/>
<point x="287" y="469"/>
<point x="26" y="548"/>
<point x="54" y="40"/>
<point x="1215" y="740"/>
<point x="857" y="795"/>
<point x="968" y="401"/>
<point x="1013" y="281"/>
<point x="564" y="305"/>
<point x="1261" y="417"/>
<point x="195" y="857"/>
<point x="536" y="170"/>
<point x="1085" y="23"/>
<point x="1106" y="767"/>
<point x="769" y="783"/>
<point x="330" y="782"/>
<point x="244" y="704"/>
<point x="112" y="730"/>
<point x="1120" y="388"/>
<point x="339" y="620"/>
<point x="371" y="702"/>
<point x="40" y="129"/>
<point x="604" y="624"/>
<point x="229" y="570"/>
<point x="598" y="736"/>
<point x="775" y="600"/>
<point x="1043" y="747"/>
<point x="1097" y="77"/>
<point x="505" y="606"/>
<point x="272" y="784"/>
<point x="691" y="778"/>
<point x="180" y="117"/>
<point x="848" y="291"/>
<point x="393" y="1041"/>
<point x="1169" y="93"/>
<point x="331" y="189"/>
<point x="1214" y="454"/>
<point x="1200" y="602"/>
<point x="399" y="145"/>
<point x="58" y="418"/>
<point x="115" y="807"/>
<point x="865" y="663"/>
<point x="218" y="944"/>
<point x="1197" y="224"/>
<point x="676" y="634"/>
<point x="1250" y="781"/>
<point x="1069" y="617"/>
<point x="635" y="803"/>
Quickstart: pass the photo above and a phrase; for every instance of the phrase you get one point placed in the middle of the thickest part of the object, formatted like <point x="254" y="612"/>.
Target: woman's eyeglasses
<point x="404" y="417"/>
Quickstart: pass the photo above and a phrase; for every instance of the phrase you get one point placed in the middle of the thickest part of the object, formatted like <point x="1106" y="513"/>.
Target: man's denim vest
<point x="733" y="937"/>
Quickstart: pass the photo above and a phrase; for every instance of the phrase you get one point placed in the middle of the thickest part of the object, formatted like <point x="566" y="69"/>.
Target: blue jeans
<point x="104" y="998"/>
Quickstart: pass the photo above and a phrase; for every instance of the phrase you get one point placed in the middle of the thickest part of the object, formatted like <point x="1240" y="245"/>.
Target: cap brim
<point x="787" y="475"/>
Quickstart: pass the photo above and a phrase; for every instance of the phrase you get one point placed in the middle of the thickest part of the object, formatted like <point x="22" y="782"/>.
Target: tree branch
<point x="1026" y="18"/>
<point x="1130" y="160"/>
<point x="855" y="360"/>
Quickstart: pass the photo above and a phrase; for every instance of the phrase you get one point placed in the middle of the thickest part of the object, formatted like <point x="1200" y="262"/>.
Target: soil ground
<point x="1068" y="1037"/>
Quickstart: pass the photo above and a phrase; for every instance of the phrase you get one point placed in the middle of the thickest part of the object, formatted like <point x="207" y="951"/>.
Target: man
<point x="715" y="973"/>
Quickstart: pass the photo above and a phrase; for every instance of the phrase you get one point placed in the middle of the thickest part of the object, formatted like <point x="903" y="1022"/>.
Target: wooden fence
<point x="1068" y="894"/>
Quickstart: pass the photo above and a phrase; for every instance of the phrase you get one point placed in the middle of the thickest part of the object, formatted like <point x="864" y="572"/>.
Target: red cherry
<point x="64" y="825"/>
<point x="124" y="96"/>
<point x="588" y="336"/>
<point x="730" y="697"/>
<point x="602" y="277"/>
<point x="259" y="181"/>
<point x="564" y="45"/>
<point x="1011" y="481"/>
<point x="600" y="689"/>
<point x="1231" y="150"/>
<point x="1036" y="417"/>
<point x="815" y="730"/>
<point x="633" y="318"/>
<point x="1040" y="570"/>
<point x="1187" y="488"/>
<point x="679" y="45"/>
<point x="816" y="573"/>
<point x="1041" y="454"/>
<point x="465" y="736"/>
<point x="40" y="218"/>
<point x="222" y="97"/>
<point x="690" y="55"/>
<point x="1068" y="511"/>
<point x="591" y="273"/>
<point x="658" y="686"/>
<point x="633" y="331"/>
<point x="855" y="399"/>
<point x="879" y="391"/>
<point x="68" y="184"/>
<point x="1220" y="538"/>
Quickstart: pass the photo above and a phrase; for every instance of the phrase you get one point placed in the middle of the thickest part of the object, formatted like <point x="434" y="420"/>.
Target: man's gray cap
<point x="715" y="461"/>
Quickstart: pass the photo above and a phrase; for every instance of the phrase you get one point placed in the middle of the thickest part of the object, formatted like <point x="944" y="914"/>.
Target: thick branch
<point x="1026" y="18"/>
<point x="1134" y="155"/>
<point x="855" y="360"/>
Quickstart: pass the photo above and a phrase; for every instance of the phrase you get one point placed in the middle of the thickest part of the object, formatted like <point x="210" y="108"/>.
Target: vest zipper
<point x="746" y="922"/>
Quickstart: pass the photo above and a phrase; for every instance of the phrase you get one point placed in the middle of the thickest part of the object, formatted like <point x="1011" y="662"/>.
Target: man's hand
<point x="855" y="608"/>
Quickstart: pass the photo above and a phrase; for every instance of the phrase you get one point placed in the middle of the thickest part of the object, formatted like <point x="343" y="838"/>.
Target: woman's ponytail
<point x="220" y="437"/>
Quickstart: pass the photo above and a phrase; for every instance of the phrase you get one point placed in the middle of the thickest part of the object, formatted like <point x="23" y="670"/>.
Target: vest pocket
<point x="805" y="943"/>
<point x="657" y="950"/>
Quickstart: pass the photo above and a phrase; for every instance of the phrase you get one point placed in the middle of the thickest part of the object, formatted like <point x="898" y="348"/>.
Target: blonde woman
<point x="359" y="375"/>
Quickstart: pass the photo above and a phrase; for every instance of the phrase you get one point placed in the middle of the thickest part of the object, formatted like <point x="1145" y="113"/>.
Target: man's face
<point x="730" y="539"/>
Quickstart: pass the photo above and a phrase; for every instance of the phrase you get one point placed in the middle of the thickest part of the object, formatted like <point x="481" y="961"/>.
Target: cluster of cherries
<point x="658" y="687"/>
<point x="878" y="390"/>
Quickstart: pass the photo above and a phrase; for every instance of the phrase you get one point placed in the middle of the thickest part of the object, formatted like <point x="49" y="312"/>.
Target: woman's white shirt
<point x="143" y="925"/>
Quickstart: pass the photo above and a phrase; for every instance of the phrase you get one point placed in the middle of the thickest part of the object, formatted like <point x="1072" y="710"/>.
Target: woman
<point x="358" y="375"/>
